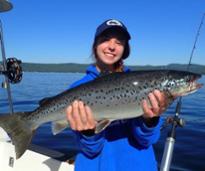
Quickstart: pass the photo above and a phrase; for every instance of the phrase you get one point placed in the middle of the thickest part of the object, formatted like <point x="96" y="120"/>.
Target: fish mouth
<point x="193" y="86"/>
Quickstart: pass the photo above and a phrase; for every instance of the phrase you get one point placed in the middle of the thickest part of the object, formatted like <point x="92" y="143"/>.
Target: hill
<point x="72" y="67"/>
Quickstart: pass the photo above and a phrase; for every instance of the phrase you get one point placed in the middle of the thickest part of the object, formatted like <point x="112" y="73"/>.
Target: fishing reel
<point x="13" y="70"/>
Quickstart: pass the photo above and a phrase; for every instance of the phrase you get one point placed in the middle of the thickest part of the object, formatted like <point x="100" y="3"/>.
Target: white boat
<point x="31" y="160"/>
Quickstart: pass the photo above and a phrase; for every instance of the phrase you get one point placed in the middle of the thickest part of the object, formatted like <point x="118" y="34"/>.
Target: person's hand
<point x="80" y="116"/>
<point x="156" y="106"/>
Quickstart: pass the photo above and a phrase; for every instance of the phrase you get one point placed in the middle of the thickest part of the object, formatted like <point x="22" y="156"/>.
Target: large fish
<point x="111" y="97"/>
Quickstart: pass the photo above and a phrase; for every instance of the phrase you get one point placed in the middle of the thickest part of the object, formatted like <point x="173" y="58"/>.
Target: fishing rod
<point x="10" y="67"/>
<point x="176" y="120"/>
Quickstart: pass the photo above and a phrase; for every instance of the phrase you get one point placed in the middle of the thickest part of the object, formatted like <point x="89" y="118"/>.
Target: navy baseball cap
<point x="112" y="23"/>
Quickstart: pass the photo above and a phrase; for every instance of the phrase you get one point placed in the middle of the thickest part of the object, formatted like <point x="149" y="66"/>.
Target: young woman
<point x="127" y="144"/>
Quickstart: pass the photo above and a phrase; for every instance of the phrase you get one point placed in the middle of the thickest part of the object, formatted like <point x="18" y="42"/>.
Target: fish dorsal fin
<point x="58" y="126"/>
<point x="42" y="101"/>
<point x="101" y="125"/>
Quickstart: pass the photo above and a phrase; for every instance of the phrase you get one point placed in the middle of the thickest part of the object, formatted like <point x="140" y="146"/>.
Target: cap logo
<point x="113" y="23"/>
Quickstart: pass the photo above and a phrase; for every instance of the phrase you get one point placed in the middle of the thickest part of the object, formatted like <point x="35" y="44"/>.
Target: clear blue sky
<point x="62" y="31"/>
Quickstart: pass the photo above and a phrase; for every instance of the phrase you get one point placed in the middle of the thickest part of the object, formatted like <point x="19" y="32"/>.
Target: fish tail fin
<point x="18" y="130"/>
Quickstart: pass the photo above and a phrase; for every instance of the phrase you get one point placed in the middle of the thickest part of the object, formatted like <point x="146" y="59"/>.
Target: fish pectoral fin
<point x="58" y="126"/>
<point x="101" y="125"/>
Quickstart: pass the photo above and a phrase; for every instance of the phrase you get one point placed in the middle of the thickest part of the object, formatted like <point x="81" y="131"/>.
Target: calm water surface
<point x="189" y="151"/>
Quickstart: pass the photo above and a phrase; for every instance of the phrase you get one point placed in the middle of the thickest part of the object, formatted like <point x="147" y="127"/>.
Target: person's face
<point x="111" y="48"/>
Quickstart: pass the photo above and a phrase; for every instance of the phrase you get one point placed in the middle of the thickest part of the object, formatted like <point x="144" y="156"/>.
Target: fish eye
<point x="171" y="84"/>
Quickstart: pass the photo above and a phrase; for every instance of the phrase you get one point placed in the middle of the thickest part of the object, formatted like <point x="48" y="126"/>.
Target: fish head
<point x="181" y="83"/>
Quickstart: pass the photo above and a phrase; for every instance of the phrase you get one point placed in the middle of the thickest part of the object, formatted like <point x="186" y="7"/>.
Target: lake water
<point x="189" y="151"/>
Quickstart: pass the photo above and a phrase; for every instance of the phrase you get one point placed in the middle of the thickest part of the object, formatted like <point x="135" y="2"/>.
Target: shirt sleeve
<point x="91" y="146"/>
<point x="145" y="136"/>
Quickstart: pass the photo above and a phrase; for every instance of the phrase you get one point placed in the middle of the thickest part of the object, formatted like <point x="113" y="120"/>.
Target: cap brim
<point x="117" y="28"/>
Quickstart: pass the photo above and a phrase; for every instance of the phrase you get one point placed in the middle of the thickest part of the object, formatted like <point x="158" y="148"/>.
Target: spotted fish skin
<point x="114" y="96"/>
<point x="111" y="97"/>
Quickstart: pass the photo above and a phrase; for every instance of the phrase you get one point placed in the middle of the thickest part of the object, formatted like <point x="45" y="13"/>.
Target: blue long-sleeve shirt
<point x="123" y="146"/>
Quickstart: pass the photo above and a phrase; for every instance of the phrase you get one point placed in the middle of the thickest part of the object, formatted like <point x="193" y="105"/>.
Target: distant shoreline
<point x="81" y="68"/>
